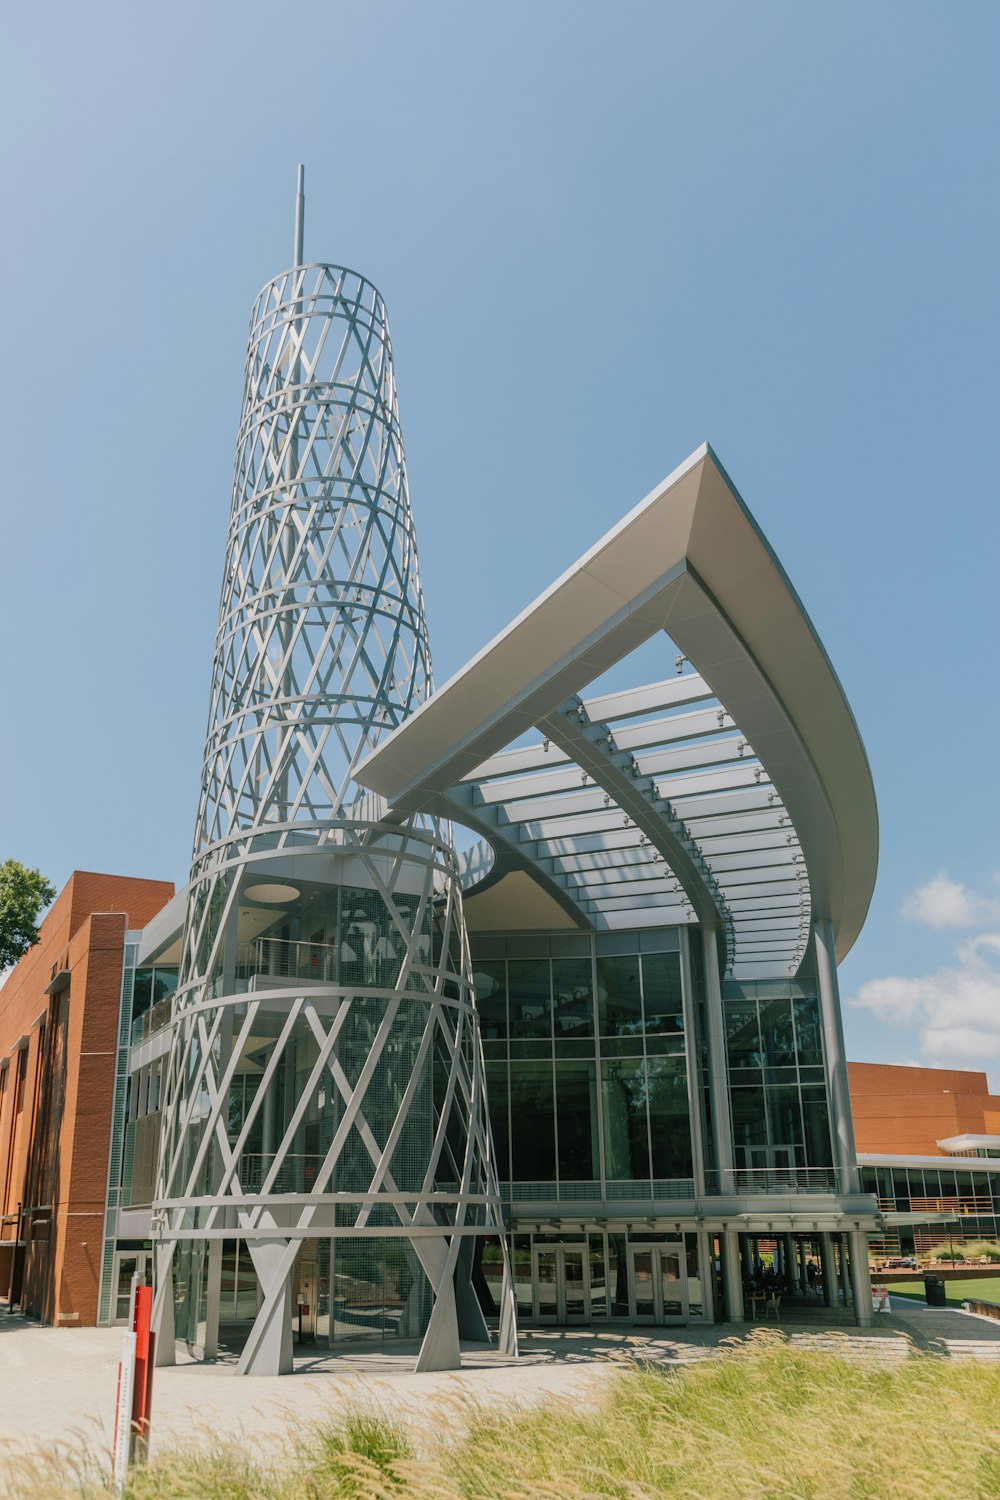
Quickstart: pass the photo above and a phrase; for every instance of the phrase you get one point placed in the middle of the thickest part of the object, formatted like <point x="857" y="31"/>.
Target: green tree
<point x="24" y="894"/>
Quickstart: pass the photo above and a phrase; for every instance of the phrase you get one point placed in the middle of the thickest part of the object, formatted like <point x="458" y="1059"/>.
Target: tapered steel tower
<point x="325" y="1108"/>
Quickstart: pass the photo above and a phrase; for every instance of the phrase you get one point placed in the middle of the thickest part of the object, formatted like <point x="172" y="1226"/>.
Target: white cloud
<point x="947" y="903"/>
<point x="955" y="1010"/>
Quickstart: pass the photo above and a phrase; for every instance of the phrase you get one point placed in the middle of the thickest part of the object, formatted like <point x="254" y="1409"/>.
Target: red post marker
<point x="142" y="1390"/>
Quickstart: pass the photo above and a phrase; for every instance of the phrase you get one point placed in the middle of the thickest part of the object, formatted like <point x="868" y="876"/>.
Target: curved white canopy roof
<point x="736" y="794"/>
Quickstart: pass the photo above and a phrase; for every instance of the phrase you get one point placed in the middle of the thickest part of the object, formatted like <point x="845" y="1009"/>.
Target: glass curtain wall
<point x="777" y="1081"/>
<point x="585" y="1061"/>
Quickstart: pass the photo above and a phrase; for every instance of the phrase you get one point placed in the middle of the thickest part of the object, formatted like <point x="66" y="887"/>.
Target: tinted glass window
<point x="626" y="1136"/>
<point x="573" y="997"/>
<point x="532" y="1123"/>
<point x="669" y="1123"/>
<point x="576" y="1103"/>
<point x="661" y="992"/>
<point x="491" y="999"/>
<point x="619" y="998"/>
<point x="529" y="997"/>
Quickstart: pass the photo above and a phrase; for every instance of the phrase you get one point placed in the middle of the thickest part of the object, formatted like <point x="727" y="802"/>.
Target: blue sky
<point x="604" y="233"/>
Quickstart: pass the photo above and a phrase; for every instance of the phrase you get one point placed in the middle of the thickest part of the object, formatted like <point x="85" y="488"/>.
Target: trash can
<point x="934" y="1292"/>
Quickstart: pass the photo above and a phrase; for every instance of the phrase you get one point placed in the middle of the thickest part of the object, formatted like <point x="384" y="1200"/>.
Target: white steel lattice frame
<point x="650" y="806"/>
<point x="321" y="649"/>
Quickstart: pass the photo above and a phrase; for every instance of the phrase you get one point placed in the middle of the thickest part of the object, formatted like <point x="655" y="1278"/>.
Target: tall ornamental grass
<point x="762" y="1420"/>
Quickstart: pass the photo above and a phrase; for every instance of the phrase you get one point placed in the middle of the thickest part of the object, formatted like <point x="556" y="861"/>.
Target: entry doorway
<point x="561" y="1284"/>
<point x="307" y="1303"/>
<point x="658" y="1289"/>
<point x="127" y="1263"/>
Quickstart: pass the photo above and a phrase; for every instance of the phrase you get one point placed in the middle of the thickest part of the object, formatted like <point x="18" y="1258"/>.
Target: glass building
<point x="590" y="1066"/>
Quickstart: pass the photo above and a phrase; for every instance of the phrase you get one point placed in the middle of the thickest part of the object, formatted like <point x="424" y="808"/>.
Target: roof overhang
<point x="689" y="560"/>
<point x="953" y="1163"/>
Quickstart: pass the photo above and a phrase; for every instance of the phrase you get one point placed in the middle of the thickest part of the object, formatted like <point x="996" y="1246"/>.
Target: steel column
<point x="841" y="1120"/>
<point x="718" y="1073"/>
<point x="861" y="1285"/>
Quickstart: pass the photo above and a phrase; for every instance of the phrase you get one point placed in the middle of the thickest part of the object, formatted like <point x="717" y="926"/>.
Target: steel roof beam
<point x="674" y="692"/>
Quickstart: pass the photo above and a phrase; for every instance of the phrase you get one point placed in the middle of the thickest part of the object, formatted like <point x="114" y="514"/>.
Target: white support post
<point x="861" y="1285"/>
<point x="213" y="1297"/>
<point x="507" y="1332"/>
<point x="163" y="1304"/>
<point x="718" y="1073"/>
<point x="692" y="1062"/>
<point x="732" y="1276"/>
<point x="791" y="1264"/>
<point x="706" y="1270"/>
<point x="829" y="1266"/>
<point x="841" y="1120"/>
<point x="268" y="1350"/>
<point x="845" y="1279"/>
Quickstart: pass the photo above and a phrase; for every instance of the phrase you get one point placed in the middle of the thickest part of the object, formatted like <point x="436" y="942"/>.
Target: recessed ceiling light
<point x="272" y="893"/>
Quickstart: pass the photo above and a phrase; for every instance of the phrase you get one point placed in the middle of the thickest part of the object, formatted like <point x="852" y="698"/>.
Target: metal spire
<point x="300" y="215"/>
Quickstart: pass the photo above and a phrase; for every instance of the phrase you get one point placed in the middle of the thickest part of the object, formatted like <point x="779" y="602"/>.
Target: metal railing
<point x="296" y="1174"/>
<point x="287" y="959"/>
<point x="749" y="1180"/>
<point x="597" y="1192"/>
<point x="971" y="1204"/>
<point x="153" y="1019"/>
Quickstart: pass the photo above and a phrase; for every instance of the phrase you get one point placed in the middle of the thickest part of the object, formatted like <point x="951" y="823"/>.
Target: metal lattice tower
<point x="325" y="1085"/>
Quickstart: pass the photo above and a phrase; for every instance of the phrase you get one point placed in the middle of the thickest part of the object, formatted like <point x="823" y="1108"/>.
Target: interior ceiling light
<point x="271" y="893"/>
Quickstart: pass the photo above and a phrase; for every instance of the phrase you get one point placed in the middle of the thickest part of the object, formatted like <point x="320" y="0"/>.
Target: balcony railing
<point x="742" y="1183"/>
<point x="284" y="959"/>
<point x="152" y="1019"/>
<point x="745" y="1181"/>
<point x="596" y="1192"/>
<point x="299" y="1174"/>
<point x="296" y="1174"/>
<point x="960" y="1204"/>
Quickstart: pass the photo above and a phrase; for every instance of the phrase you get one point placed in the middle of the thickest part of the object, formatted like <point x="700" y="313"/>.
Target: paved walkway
<point x="948" y="1330"/>
<point x="58" y="1385"/>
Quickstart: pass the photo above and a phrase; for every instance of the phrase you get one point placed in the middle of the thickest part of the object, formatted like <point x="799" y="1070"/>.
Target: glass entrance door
<point x="126" y="1265"/>
<point x="658" y="1283"/>
<point x="561" y="1284"/>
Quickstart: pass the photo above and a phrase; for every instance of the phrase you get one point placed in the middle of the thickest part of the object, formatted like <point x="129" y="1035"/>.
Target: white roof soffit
<point x="738" y="793"/>
<point x="967" y="1142"/>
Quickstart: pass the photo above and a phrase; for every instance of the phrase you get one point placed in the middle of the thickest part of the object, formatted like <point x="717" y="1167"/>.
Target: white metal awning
<point x="734" y="793"/>
<point x="623" y="793"/>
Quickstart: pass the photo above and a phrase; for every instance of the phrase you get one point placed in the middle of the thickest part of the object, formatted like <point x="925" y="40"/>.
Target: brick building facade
<point x="907" y="1111"/>
<point x="928" y="1144"/>
<point x="59" y="1019"/>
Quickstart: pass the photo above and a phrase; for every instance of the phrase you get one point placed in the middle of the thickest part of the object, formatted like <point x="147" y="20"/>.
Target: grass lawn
<point x="987" y="1288"/>
<point x="764" y="1421"/>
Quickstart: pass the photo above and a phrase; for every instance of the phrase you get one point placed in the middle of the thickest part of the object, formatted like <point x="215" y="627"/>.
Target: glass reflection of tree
<point x="626" y="1137"/>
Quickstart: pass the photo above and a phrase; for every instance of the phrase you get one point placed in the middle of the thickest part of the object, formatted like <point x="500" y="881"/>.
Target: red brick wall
<point x="906" y="1111"/>
<point x="83" y="931"/>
